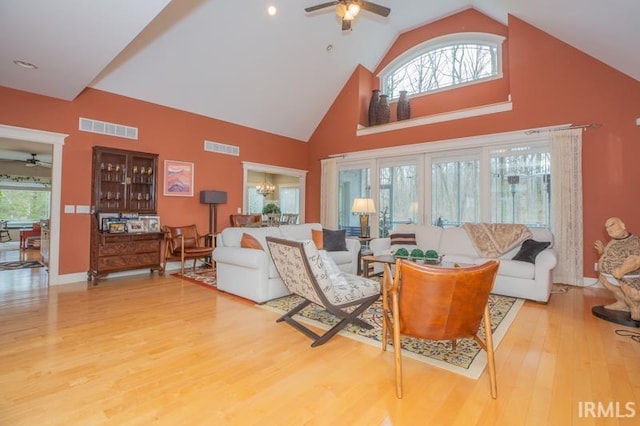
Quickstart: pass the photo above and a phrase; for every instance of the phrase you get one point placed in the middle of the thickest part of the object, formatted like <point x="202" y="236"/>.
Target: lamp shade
<point x="213" y="197"/>
<point x="363" y="206"/>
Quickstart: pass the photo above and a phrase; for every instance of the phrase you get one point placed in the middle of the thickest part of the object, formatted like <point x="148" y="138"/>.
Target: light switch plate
<point x="83" y="209"/>
<point x="69" y="208"/>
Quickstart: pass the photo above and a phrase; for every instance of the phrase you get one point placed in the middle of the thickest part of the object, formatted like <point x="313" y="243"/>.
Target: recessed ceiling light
<point x="271" y="10"/>
<point x="25" y="64"/>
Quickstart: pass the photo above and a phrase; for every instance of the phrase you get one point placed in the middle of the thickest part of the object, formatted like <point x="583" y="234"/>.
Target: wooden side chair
<point x="273" y="219"/>
<point x="438" y="303"/>
<point x="305" y="272"/>
<point x="4" y="232"/>
<point x="246" y="220"/>
<point x="183" y="243"/>
<point x="289" y="218"/>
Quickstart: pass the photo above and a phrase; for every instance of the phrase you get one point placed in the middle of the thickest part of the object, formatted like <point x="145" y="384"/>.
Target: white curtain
<point x="566" y="202"/>
<point x="329" y="193"/>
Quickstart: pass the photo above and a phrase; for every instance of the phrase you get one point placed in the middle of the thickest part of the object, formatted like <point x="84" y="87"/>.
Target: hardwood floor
<point x="159" y="350"/>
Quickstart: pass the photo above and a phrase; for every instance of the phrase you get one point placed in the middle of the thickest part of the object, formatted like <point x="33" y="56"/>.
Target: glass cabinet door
<point x="112" y="182"/>
<point x="142" y="183"/>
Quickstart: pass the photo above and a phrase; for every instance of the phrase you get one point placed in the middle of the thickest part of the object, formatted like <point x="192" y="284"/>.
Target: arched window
<point x="444" y="62"/>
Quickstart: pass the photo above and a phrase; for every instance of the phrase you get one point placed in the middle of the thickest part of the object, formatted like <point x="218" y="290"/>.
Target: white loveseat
<point x="251" y="274"/>
<point x="515" y="278"/>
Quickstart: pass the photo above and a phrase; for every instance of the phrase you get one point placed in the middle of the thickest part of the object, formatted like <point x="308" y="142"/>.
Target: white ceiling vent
<point x="95" y="126"/>
<point x="221" y="148"/>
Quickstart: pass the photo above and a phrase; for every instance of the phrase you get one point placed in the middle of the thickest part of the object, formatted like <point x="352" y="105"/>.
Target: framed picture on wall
<point x="178" y="178"/>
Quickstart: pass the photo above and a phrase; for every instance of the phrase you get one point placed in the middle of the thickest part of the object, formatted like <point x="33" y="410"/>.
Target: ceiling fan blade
<point x="321" y="6"/>
<point x="45" y="165"/>
<point x="375" y="8"/>
<point x="346" y="25"/>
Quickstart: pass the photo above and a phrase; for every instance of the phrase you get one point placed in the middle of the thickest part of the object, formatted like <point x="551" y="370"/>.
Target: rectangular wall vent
<point x="221" y="148"/>
<point x="111" y="129"/>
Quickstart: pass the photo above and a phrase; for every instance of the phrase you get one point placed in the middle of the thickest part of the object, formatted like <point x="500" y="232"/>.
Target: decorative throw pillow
<point x="400" y="238"/>
<point x="334" y="240"/>
<point x="249" y="241"/>
<point x="316" y="236"/>
<point x="530" y="249"/>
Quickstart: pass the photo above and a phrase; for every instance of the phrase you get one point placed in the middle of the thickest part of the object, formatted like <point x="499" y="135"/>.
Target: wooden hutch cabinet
<point x="124" y="182"/>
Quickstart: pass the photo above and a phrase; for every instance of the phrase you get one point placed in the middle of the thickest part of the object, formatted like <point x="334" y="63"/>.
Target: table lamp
<point x="364" y="207"/>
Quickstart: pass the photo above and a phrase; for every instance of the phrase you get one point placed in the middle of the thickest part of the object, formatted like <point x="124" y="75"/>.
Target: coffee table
<point x="366" y="260"/>
<point x="389" y="259"/>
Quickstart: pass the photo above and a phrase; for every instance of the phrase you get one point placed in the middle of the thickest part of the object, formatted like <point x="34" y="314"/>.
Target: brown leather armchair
<point x="438" y="303"/>
<point x="183" y="243"/>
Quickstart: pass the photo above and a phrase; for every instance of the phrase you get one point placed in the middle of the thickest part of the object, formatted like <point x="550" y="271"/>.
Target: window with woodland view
<point x="444" y="62"/>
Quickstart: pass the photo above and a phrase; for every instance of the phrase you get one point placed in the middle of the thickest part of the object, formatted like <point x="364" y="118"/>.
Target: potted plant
<point x="271" y="208"/>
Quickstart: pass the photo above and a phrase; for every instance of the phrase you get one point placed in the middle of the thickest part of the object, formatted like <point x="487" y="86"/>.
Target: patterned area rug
<point x="10" y="266"/>
<point x="468" y="359"/>
<point x="205" y="277"/>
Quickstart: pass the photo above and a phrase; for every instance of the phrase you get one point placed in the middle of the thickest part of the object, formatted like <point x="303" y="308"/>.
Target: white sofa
<point x="251" y="274"/>
<point x="515" y="278"/>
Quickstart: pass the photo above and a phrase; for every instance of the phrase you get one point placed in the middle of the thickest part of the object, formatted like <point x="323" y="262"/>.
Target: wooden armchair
<point x="246" y="220"/>
<point x="438" y="303"/>
<point x="183" y="243"/>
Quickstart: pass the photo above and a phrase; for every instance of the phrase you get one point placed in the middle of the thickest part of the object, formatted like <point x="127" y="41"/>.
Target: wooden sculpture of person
<point x="621" y="258"/>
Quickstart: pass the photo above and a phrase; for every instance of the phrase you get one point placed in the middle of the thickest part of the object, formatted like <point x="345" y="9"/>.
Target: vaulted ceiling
<point x="232" y="61"/>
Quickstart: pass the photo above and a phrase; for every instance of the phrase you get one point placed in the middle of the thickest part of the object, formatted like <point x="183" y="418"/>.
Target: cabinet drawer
<point x="128" y="261"/>
<point x="129" y="247"/>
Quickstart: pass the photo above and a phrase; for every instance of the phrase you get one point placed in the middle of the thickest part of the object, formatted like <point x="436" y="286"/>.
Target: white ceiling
<point x="231" y="61"/>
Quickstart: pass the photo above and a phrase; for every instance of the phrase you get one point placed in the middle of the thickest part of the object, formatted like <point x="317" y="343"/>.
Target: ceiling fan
<point x="33" y="161"/>
<point x="347" y="10"/>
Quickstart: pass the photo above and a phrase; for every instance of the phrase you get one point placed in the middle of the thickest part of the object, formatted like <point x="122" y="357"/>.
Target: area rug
<point x="11" y="266"/>
<point x="468" y="359"/>
<point x="205" y="277"/>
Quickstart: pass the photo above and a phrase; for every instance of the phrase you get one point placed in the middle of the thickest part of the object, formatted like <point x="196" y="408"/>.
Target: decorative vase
<point x="373" y="107"/>
<point x="383" y="110"/>
<point x="404" y="108"/>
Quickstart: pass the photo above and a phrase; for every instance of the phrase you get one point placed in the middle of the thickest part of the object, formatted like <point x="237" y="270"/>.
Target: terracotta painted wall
<point x="550" y="83"/>
<point x="173" y="134"/>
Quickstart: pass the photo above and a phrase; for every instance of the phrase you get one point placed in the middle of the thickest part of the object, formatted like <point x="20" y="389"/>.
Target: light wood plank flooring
<point x="159" y="350"/>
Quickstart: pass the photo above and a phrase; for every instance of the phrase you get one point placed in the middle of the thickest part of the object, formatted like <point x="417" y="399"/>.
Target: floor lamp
<point x="364" y="207"/>
<point x="213" y="198"/>
<point x="513" y="181"/>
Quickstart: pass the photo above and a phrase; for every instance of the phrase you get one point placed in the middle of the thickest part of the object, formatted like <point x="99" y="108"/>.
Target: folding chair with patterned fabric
<point x="311" y="275"/>
<point x="438" y="303"/>
<point x="184" y="242"/>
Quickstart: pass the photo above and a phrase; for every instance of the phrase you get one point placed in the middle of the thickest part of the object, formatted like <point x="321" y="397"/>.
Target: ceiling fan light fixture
<point x="352" y="11"/>
<point x="347" y="12"/>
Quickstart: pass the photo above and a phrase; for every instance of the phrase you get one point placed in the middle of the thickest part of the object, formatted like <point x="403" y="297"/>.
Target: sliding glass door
<point x="399" y="194"/>
<point x="353" y="182"/>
